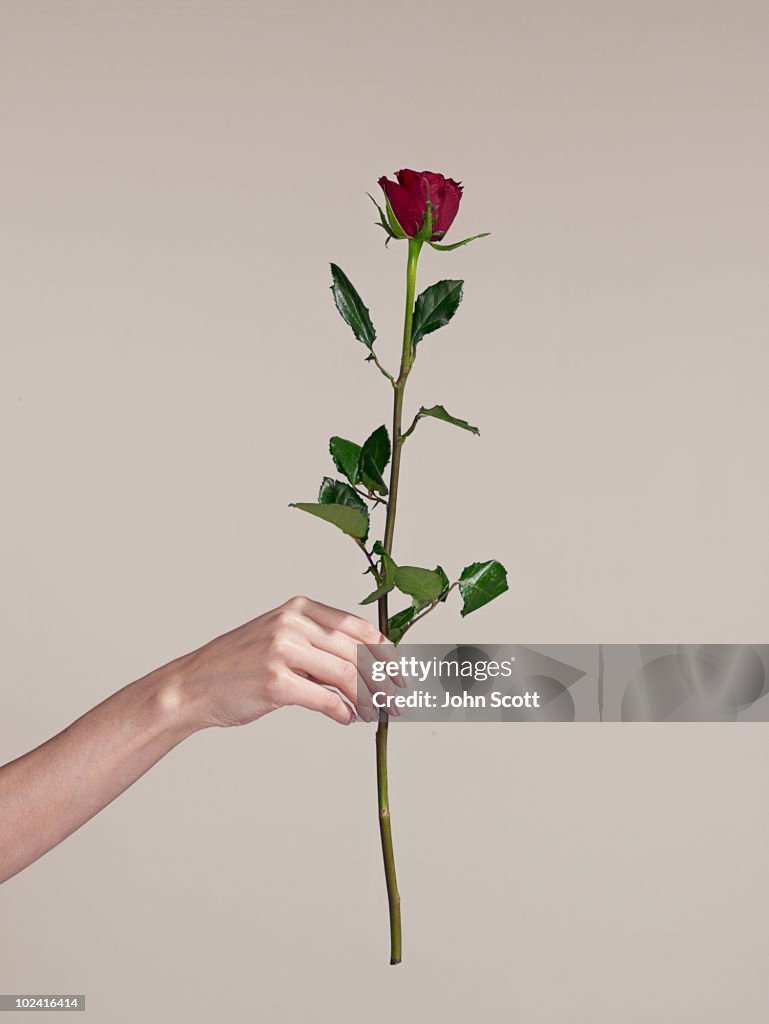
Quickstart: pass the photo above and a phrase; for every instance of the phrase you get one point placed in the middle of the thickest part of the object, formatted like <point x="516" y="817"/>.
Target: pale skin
<point x="287" y="656"/>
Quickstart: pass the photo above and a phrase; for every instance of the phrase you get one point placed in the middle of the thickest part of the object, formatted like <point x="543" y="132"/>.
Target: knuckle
<point x="279" y="647"/>
<point x="364" y="628"/>
<point x="330" y="703"/>
<point x="347" y="644"/>
<point x="348" y="670"/>
<point x="287" y="618"/>
<point x="372" y="633"/>
<point x="297" y="603"/>
<point x="350" y="624"/>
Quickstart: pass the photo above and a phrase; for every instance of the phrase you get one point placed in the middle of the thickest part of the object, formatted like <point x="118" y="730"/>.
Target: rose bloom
<point x="408" y="199"/>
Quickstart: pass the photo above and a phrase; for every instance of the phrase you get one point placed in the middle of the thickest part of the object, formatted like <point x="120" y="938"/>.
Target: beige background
<point x="175" y="179"/>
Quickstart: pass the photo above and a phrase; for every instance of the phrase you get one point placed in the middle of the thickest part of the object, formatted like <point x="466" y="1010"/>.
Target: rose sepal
<point x="388" y="220"/>
<point x="425" y="233"/>
<point x="456" y="245"/>
<point x="395" y="227"/>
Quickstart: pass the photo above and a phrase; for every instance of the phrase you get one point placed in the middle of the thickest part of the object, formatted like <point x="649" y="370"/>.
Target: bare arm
<point x="275" y="660"/>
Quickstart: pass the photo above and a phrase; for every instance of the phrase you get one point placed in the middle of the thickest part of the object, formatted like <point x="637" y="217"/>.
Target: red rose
<point x="408" y="200"/>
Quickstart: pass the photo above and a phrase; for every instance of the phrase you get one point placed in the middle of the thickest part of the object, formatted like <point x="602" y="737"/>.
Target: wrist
<point x="174" y="703"/>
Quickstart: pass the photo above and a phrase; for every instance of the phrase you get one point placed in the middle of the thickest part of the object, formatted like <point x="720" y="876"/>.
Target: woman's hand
<point x="287" y="656"/>
<point x="279" y="659"/>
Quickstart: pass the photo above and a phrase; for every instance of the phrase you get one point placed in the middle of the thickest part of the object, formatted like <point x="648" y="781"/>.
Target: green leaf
<point x="373" y="484"/>
<point x="363" y="464"/>
<point x="348" y="519"/>
<point x="374" y="456"/>
<point x="456" y="245"/>
<point x="335" y="492"/>
<point x="351" y="307"/>
<point x="439" y="413"/>
<point x="388" y="568"/>
<point x="423" y="585"/>
<point x="388" y="565"/>
<point x="397" y="625"/>
<point x="379" y="592"/>
<point x="434" y="307"/>
<point x="480" y="583"/>
<point x="345" y="455"/>
<point x="446" y="583"/>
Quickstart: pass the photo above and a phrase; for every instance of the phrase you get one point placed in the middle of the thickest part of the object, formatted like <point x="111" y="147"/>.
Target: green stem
<point x="400" y="387"/>
<point x="381" y="368"/>
<point x="370" y="496"/>
<point x="407" y="433"/>
<point x="385" y="825"/>
<point x="370" y="561"/>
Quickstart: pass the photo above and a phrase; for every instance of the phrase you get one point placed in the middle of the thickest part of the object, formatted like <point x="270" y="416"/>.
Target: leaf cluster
<point x="348" y="503"/>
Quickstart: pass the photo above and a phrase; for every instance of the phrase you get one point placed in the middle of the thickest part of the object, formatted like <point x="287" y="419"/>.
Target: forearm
<point x="48" y="793"/>
<point x="273" y="661"/>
